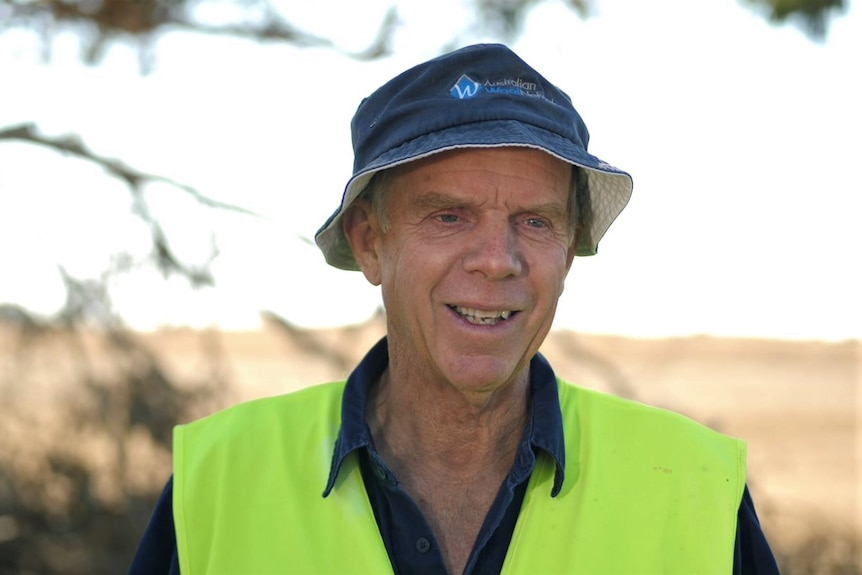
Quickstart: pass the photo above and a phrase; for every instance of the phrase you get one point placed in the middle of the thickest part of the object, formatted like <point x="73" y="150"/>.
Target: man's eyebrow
<point x="550" y="210"/>
<point x="439" y="200"/>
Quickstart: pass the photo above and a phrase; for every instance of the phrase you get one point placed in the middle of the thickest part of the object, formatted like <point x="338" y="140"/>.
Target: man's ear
<point x="362" y="230"/>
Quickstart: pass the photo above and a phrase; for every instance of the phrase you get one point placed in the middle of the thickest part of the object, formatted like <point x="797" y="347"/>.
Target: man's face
<point x="472" y="264"/>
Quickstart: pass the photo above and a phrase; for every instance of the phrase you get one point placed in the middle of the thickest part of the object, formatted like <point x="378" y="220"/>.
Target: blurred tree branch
<point x="135" y="180"/>
<point x="101" y="21"/>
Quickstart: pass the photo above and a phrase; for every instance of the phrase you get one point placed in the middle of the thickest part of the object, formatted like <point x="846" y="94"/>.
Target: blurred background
<point x="164" y="166"/>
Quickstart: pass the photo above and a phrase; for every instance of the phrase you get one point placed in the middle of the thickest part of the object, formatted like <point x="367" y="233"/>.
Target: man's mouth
<point x="482" y="317"/>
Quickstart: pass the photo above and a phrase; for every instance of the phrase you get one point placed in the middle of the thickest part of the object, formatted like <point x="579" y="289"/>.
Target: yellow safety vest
<point x="646" y="492"/>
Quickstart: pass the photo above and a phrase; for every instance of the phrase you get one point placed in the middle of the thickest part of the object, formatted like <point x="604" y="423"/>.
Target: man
<point x="453" y="448"/>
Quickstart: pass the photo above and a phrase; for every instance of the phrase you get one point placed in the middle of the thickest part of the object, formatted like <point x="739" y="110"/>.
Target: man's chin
<point x="485" y="374"/>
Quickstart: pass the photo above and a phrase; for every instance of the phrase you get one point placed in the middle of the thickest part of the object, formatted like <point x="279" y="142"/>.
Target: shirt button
<point x="423" y="545"/>
<point x="380" y="472"/>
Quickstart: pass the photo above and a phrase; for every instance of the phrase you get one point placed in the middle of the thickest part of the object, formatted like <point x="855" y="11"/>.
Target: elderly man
<point x="452" y="447"/>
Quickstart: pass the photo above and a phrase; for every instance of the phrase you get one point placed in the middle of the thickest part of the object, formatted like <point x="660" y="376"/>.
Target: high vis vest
<point x="646" y="492"/>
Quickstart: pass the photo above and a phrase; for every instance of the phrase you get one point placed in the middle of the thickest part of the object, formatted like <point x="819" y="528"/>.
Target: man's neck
<point x="450" y="453"/>
<point x="423" y="425"/>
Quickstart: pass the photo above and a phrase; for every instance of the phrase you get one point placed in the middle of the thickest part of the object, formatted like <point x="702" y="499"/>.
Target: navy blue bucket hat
<point x="477" y="97"/>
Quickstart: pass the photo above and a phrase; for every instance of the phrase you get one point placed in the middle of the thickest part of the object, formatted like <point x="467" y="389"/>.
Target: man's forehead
<point x="432" y="198"/>
<point x="475" y="168"/>
<point x="467" y="180"/>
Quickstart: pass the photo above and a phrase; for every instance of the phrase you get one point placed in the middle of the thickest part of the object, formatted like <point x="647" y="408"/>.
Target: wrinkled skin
<point x="471" y="267"/>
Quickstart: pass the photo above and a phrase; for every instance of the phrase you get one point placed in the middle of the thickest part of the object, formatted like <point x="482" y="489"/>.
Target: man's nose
<point x="494" y="251"/>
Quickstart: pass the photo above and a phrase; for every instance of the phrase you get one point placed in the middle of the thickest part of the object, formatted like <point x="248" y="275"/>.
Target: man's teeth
<point x="480" y="317"/>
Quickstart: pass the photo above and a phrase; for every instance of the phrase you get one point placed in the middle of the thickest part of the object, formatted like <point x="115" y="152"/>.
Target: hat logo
<point x="465" y="88"/>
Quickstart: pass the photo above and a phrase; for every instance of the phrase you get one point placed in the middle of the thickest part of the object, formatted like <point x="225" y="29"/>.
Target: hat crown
<point x="481" y="83"/>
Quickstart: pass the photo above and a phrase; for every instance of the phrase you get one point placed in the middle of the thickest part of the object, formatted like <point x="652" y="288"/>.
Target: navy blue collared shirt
<point x="406" y="534"/>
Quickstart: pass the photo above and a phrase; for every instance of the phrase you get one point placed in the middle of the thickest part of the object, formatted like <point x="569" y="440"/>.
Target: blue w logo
<point x="465" y="88"/>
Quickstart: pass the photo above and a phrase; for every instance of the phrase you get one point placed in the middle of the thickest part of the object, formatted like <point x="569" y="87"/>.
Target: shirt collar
<point x="544" y="430"/>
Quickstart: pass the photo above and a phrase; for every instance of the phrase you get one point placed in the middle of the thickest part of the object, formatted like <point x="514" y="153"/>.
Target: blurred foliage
<point x="101" y="21"/>
<point x="98" y="22"/>
<point x="812" y="15"/>
<point x="504" y="18"/>
<point x="825" y="552"/>
<point x="87" y="409"/>
<point x="86" y="413"/>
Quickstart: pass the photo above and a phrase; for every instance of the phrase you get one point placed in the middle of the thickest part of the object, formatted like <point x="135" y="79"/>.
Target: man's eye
<point x="536" y="223"/>
<point x="448" y="218"/>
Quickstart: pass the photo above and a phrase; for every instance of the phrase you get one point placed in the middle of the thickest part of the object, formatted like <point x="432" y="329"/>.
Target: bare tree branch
<point x="135" y="180"/>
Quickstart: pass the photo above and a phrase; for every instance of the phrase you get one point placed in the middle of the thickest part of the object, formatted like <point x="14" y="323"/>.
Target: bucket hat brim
<point x="609" y="188"/>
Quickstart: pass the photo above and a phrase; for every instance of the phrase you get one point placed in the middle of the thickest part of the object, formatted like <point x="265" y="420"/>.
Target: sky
<point x="740" y="137"/>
